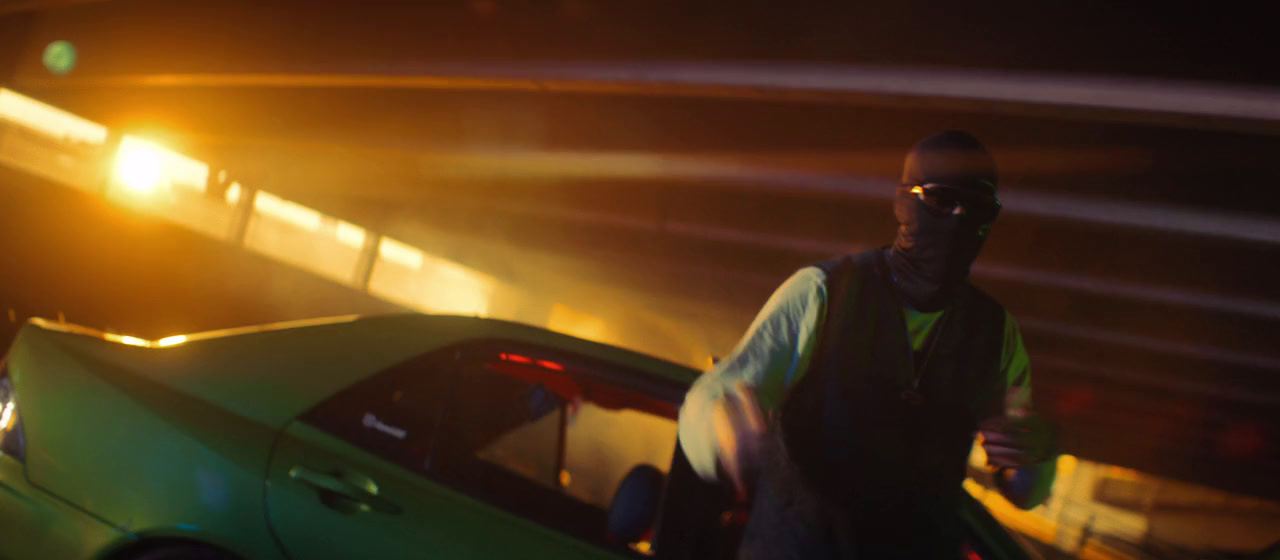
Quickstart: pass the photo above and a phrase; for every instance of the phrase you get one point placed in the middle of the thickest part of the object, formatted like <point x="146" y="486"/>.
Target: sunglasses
<point x="947" y="199"/>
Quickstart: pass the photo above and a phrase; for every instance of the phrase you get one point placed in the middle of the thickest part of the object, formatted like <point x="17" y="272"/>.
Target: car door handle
<point x="345" y="492"/>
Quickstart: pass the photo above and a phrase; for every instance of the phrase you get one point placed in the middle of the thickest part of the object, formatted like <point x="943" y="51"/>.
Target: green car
<point x="404" y="436"/>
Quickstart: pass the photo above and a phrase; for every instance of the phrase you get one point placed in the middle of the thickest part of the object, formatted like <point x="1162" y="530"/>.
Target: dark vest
<point x="850" y="457"/>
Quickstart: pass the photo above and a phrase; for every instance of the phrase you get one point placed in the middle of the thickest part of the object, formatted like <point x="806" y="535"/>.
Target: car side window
<point x="503" y="422"/>
<point x="393" y="414"/>
<point x="547" y="441"/>
<point x="603" y="444"/>
<point x="501" y="441"/>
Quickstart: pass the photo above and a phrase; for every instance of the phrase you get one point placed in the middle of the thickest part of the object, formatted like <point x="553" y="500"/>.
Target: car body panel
<point x="175" y="441"/>
<point x="271" y="376"/>
<point x="436" y="520"/>
<point x="137" y="453"/>
<point x="40" y="525"/>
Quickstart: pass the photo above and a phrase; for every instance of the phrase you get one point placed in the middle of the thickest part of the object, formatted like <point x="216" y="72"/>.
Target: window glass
<point x="541" y="438"/>
<point x="393" y="414"/>
<point x="548" y="441"/>
<point x="528" y="450"/>
<point x="499" y="421"/>
<point x="603" y="445"/>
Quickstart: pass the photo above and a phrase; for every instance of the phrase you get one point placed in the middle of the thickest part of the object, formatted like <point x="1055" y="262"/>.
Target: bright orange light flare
<point x="139" y="167"/>
<point x="171" y="340"/>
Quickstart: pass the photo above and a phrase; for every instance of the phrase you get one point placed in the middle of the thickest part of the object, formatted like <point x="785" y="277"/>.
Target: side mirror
<point x="635" y="504"/>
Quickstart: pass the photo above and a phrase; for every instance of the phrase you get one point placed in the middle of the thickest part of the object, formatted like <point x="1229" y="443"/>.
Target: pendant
<point x="912" y="396"/>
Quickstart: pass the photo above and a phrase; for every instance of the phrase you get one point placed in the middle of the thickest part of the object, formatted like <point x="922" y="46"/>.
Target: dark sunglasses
<point x="947" y="199"/>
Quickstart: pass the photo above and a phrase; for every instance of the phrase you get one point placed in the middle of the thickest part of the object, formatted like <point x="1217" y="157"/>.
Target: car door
<point x="432" y="459"/>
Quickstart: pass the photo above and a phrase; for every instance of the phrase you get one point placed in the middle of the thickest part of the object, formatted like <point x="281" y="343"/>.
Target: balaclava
<point x="931" y="255"/>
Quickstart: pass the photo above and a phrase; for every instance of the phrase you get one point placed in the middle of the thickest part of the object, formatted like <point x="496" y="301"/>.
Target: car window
<point x="597" y="448"/>
<point x="501" y="440"/>
<point x="603" y="445"/>
<point x="549" y="441"/>
<point x="502" y="422"/>
<point x="541" y="439"/>
<point x="393" y="414"/>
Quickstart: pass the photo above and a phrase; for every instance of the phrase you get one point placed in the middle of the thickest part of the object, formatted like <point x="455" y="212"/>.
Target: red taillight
<point x="517" y="358"/>
<point x="558" y="377"/>
<point x="522" y="359"/>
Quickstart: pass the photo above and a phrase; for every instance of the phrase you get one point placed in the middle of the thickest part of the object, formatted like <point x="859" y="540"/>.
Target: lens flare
<point x="59" y="57"/>
<point x="139" y="167"/>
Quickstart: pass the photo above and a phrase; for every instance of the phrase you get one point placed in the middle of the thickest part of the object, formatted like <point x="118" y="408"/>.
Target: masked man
<point x="850" y="407"/>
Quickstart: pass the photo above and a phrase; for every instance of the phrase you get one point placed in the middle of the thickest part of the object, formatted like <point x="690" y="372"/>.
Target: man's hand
<point x="739" y="427"/>
<point x="1016" y="441"/>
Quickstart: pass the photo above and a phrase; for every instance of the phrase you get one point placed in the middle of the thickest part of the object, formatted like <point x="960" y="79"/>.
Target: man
<point x="849" y="408"/>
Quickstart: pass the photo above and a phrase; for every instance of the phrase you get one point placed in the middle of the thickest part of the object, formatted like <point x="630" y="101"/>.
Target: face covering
<point x="933" y="250"/>
<point x="932" y="253"/>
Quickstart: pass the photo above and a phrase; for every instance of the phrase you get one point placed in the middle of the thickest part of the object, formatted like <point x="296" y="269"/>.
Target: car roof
<point x="273" y="373"/>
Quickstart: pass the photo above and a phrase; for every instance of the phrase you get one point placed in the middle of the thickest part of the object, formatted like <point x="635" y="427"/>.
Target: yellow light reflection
<point x="455" y="288"/>
<point x="6" y="417"/>
<point x="50" y="120"/>
<point x="234" y="192"/>
<point x="139" y="166"/>
<point x="400" y="253"/>
<point x="133" y="341"/>
<point x="171" y="340"/>
<point x="1066" y="465"/>
<point x="570" y="321"/>
<point x="288" y="211"/>
<point x="1025" y="522"/>
<point x="349" y="234"/>
<point x="126" y="339"/>
<point x="643" y="547"/>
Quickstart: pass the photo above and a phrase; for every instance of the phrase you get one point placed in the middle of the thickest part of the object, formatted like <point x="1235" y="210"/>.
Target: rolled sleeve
<point x="770" y="358"/>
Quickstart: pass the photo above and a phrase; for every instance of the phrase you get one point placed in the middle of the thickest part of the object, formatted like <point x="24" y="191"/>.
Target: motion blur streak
<point x="1017" y="199"/>
<point x="1246" y="307"/>
<point x="1265" y="230"/>
<point x="773" y="80"/>
<point x="1146" y="215"/>
<point x="1159" y="380"/>
<point x="1148" y="343"/>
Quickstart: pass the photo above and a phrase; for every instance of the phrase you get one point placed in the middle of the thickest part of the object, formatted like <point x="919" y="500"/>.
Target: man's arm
<point x="771" y="356"/>
<point x="1020" y="443"/>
